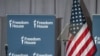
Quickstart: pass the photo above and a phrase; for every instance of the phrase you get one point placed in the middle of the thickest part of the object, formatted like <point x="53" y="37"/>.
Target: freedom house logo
<point x="42" y="24"/>
<point x="17" y="24"/>
<point x="29" y="41"/>
<point x="13" y="54"/>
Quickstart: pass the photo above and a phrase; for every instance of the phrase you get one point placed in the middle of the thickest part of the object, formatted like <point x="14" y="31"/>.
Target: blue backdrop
<point x="96" y="33"/>
<point x="31" y="35"/>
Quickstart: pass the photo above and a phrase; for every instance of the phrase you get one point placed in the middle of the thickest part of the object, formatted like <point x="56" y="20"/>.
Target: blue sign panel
<point x="96" y="33"/>
<point x="31" y="35"/>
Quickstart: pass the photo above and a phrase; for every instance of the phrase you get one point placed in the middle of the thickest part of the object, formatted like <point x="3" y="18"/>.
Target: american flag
<point x="81" y="42"/>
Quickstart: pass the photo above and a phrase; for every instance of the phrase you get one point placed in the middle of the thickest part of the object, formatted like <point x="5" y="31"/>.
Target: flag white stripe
<point x="87" y="49"/>
<point x="81" y="44"/>
<point x="76" y="37"/>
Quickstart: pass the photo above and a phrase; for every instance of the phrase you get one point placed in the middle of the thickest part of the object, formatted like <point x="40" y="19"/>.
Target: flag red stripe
<point x="69" y="42"/>
<point x="78" y="41"/>
<point x="92" y="51"/>
<point x="84" y="47"/>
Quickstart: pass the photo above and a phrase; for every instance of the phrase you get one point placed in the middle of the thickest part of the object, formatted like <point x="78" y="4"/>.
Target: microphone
<point x="6" y="49"/>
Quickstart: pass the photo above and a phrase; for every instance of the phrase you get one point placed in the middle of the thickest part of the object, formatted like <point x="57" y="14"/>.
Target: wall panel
<point x="43" y="7"/>
<point x="91" y="6"/>
<point x="12" y="7"/>
<point x="24" y="7"/>
<point x="2" y="7"/>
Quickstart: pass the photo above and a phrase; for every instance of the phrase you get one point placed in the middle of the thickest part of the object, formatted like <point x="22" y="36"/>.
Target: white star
<point x="80" y="16"/>
<point x="80" y="19"/>
<point x="76" y="20"/>
<point x="76" y="16"/>
<point x="77" y="24"/>
<point x="72" y="13"/>
<point x="73" y="17"/>
<point x="77" y="27"/>
<point x="75" y="5"/>
<point x="79" y="12"/>
<point x="74" y="1"/>
<point x="73" y="21"/>
<point x="75" y="8"/>
<point x="72" y="9"/>
<point x="75" y="12"/>
<point x="78" y="5"/>
<point x="74" y="32"/>
<point x="80" y="23"/>
<point x="74" y="28"/>
<point x="73" y="24"/>
<point x="79" y="8"/>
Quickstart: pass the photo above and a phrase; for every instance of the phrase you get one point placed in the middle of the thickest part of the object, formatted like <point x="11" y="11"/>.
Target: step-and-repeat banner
<point x="31" y="35"/>
<point x="96" y="32"/>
